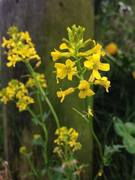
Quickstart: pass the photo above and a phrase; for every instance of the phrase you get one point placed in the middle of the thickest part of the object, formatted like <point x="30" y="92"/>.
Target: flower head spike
<point x="80" y="58"/>
<point x="85" y="90"/>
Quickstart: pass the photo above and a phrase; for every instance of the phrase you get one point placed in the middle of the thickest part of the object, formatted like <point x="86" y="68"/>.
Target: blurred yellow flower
<point x="16" y="90"/>
<point x="111" y="48"/>
<point x="36" y="136"/>
<point x="40" y="78"/>
<point x="23" y="102"/>
<point x="62" y="94"/>
<point x="85" y="90"/>
<point x="133" y="74"/>
<point x="9" y="92"/>
<point x="23" y="150"/>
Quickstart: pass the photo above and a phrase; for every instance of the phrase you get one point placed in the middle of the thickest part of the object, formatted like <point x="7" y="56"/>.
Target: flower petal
<point x="104" y="67"/>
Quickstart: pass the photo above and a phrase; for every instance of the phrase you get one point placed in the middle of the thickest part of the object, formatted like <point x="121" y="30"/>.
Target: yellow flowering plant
<point x="77" y="60"/>
<point x="33" y="90"/>
<point x="81" y="62"/>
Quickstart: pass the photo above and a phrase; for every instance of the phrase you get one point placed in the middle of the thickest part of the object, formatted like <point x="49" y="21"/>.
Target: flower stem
<point x="30" y="69"/>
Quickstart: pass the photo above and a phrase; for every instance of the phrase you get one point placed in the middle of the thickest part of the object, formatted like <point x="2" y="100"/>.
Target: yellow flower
<point x="85" y="90"/>
<point x="26" y="36"/>
<point x="63" y="46"/>
<point x="100" y="173"/>
<point x="19" y="47"/>
<point x="111" y="48"/>
<point x="9" y="92"/>
<point x="66" y="138"/>
<point x="68" y="69"/>
<point x="56" y="55"/>
<point x="36" y="136"/>
<point x="90" y="113"/>
<point x="40" y="78"/>
<point x="16" y="90"/>
<point x="103" y="82"/>
<point x="62" y="94"/>
<point x="23" y="150"/>
<point x="94" y="64"/>
<point x="23" y="98"/>
<point x="97" y="49"/>
<point x="23" y="102"/>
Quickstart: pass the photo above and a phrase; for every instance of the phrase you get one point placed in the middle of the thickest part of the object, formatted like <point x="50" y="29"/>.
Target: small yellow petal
<point x="63" y="46"/>
<point x="104" y="67"/>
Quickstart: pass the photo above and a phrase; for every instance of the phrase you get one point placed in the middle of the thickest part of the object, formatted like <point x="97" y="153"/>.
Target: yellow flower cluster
<point x="40" y="78"/>
<point x="16" y="90"/>
<point x="85" y="65"/>
<point x="66" y="141"/>
<point x="20" y="47"/>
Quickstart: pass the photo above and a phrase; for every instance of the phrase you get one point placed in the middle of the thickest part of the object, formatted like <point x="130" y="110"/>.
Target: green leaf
<point x="130" y="128"/>
<point x="120" y="127"/>
<point x="129" y="143"/>
<point x="108" y="153"/>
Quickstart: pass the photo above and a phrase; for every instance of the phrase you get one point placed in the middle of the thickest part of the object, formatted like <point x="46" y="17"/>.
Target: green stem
<point x="45" y="133"/>
<point x="32" y="167"/>
<point x="44" y="128"/>
<point x="30" y="69"/>
<point x="97" y="141"/>
<point x="46" y="142"/>
<point x="94" y="136"/>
